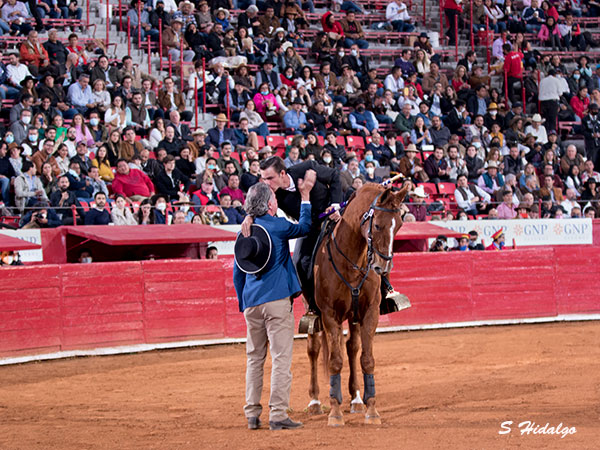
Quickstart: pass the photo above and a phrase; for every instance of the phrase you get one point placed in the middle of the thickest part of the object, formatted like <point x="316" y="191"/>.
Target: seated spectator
<point x="252" y="176"/>
<point x="169" y="181"/>
<point x="80" y="95"/>
<point x="133" y="184"/>
<point x="96" y="183"/>
<point x="42" y="216"/>
<point x="256" y="123"/>
<point x="570" y="202"/>
<point x="417" y="206"/>
<point x="63" y="199"/>
<point x="362" y="120"/>
<point x="507" y="209"/>
<point x="79" y="183"/>
<point x="170" y="99"/>
<point x="536" y="129"/>
<point x="46" y="155"/>
<point x="28" y="188"/>
<point x="20" y="128"/>
<point x="569" y="159"/>
<point x="293" y="157"/>
<point x="411" y="167"/>
<point x="353" y="31"/>
<point x="97" y="215"/>
<point x="161" y="215"/>
<point x="145" y="214"/>
<point x="174" y="42"/>
<point x="295" y="120"/>
<point x="16" y="15"/>
<point x="233" y="215"/>
<point x="548" y="190"/>
<point x="436" y="166"/>
<point x="130" y="146"/>
<point x="396" y="14"/>
<point x="491" y="180"/>
<point x="370" y="176"/>
<point x="589" y="172"/>
<point x="470" y="197"/>
<point x="34" y="54"/>
<point x="440" y="134"/>
<point x="103" y="164"/>
<point x="220" y="133"/>
<point x="456" y="165"/>
<point x="207" y="194"/>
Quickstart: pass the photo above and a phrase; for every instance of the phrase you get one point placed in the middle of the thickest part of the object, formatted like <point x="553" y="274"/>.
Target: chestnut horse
<point x="348" y="265"/>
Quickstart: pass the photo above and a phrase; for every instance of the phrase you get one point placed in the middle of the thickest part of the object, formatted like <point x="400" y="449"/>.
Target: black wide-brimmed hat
<point x="252" y="253"/>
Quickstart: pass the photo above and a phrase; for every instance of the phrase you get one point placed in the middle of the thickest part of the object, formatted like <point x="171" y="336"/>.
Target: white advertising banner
<point x="528" y="231"/>
<point x="30" y="236"/>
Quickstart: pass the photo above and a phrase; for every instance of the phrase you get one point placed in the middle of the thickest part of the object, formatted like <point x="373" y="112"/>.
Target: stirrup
<point x="393" y="302"/>
<point x="310" y="323"/>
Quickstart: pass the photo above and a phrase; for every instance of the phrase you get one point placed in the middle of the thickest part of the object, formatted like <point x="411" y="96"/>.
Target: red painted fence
<point x="50" y="308"/>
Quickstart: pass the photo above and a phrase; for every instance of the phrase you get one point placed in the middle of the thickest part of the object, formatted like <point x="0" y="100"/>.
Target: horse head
<point x="379" y="225"/>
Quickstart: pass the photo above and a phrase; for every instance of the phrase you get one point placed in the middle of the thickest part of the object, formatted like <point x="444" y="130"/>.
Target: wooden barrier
<point x="57" y="308"/>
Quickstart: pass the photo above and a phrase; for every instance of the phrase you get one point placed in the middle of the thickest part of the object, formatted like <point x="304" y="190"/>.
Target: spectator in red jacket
<point x="453" y="11"/>
<point x="332" y="27"/>
<point x="580" y="102"/>
<point x="134" y="184"/>
<point x="513" y="67"/>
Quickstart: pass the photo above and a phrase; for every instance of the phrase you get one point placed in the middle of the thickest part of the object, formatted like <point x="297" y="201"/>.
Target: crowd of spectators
<point x="88" y="140"/>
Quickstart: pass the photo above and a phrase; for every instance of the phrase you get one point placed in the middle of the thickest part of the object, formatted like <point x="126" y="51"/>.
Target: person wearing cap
<point x="295" y="120"/>
<point x="462" y="244"/>
<point x="269" y="76"/>
<point x="265" y="281"/>
<point x="220" y="133"/>
<point x="396" y="14"/>
<point x="497" y="241"/>
<point x="591" y="132"/>
<point x="491" y="180"/>
<point x="174" y="42"/>
<point x="537" y="130"/>
<point x="492" y="116"/>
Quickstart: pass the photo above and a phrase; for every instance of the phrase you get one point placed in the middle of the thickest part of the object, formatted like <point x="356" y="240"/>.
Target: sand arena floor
<point x="435" y="389"/>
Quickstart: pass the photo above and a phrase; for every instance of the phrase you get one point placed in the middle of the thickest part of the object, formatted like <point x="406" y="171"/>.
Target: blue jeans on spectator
<point x="402" y="27"/>
<point x="67" y="14"/>
<point x="351" y="6"/>
<point x="5" y="189"/>
<point x="4" y="28"/>
<point x="382" y="118"/>
<point x="362" y="44"/>
<point x="8" y="92"/>
<point x="307" y="4"/>
<point x="243" y="4"/>
<point x="262" y="130"/>
<point x="535" y="28"/>
<point x="339" y="99"/>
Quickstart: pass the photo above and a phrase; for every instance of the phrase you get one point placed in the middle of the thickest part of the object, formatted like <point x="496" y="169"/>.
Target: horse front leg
<point x="352" y="347"/>
<point x="333" y="331"/>
<point x="367" y="361"/>
<point x="313" y="350"/>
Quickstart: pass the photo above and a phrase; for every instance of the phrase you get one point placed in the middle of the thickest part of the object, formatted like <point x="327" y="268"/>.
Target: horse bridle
<point x="371" y="250"/>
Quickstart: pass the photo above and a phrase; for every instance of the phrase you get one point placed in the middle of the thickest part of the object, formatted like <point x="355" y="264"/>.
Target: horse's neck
<point x="351" y="242"/>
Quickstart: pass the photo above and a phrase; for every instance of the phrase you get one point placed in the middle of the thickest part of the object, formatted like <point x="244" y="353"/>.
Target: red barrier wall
<point x="50" y="308"/>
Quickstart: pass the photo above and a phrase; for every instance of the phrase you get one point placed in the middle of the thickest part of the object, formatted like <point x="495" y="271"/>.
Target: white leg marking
<point x="314" y="402"/>
<point x="357" y="400"/>
<point x="392" y="228"/>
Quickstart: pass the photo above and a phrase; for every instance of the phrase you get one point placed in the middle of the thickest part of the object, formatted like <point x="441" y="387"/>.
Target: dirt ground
<point x="435" y="389"/>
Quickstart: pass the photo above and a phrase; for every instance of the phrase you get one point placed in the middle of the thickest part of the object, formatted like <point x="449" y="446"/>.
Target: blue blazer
<point x="280" y="279"/>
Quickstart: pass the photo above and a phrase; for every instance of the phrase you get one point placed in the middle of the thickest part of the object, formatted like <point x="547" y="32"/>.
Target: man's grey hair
<point x="510" y="177"/>
<point x="257" y="200"/>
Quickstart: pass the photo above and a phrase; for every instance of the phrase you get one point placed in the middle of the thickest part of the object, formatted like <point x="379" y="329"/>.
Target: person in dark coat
<point x="98" y="215"/>
<point x="169" y="180"/>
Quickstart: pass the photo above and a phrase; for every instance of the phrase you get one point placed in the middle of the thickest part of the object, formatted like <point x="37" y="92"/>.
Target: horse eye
<point x="377" y="227"/>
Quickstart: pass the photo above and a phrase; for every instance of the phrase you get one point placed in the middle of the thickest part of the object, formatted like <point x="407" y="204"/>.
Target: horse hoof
<point x="357" y="408"/>
<point x="335" y="421"/>
<point x="314" y="409"/>
<point x="373" y="420"/>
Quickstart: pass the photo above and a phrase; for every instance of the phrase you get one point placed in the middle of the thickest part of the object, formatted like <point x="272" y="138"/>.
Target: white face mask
<point x="86" y="260"/>
<point x="354" y="52"/>
<point x="26" y="119"/>
<point x="493" y="113"/>
<point x="341" y="53"/>
<point x="371" y="170"/>
<point x="185" y="208"/>
<point x="162" y="207"/>
<point x="327" y="160"/>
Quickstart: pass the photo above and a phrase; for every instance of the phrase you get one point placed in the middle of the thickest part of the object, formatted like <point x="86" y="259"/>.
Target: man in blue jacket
<point x="265" y="298"/>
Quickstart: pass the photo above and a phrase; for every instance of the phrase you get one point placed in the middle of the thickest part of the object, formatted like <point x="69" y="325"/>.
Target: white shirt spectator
<point x="394" y="85"/>
<point x="16" y="74"/>
<point x="466" y="203"/>
<point x="395" y="11"/>
<point x="540" y="134"/>
<point x="550" y="88"/>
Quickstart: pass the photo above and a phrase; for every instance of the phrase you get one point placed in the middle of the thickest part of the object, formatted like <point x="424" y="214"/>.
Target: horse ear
<point x="401" y="194"/>
<point x="385" y="195"/>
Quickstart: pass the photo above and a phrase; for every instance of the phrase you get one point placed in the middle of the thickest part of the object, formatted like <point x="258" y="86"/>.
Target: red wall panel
<point x="60" y="307"/>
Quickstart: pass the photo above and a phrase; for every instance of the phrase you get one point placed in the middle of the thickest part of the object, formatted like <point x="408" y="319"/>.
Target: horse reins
<point x="355" y="291"/>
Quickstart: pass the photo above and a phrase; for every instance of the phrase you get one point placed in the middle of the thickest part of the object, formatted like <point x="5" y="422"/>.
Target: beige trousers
<point x="271" y="323"/>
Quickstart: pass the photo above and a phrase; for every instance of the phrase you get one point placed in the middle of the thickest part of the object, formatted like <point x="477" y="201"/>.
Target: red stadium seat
<point x="236" y="156"/>
<point x="261" y="141"/>
<point x="135" y="206"/>
<point x="84" y="205"/>
<point x="446" y="189"/>
<point x="320" y="140"/>
<point x="430" y="188"/>
<point x="340" y="140"/>
<point x="276" y="141"/>
<point x="356" y="142"/>
<point x="152" y="155"/>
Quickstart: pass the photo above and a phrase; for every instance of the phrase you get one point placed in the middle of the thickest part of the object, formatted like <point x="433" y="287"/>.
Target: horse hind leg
<point x="352" y="348"/>
<point x="313" y="348"/>
<point x="367" y="362"/>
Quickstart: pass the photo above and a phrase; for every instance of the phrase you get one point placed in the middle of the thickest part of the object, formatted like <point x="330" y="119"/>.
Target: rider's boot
<point x="391" y="301"/>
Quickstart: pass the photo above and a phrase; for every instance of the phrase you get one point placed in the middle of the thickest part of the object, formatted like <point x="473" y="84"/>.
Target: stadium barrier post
<point x="139" y="11"/>
<point x="506" y="86"/>
<point x="170" y="65"/>
<point x="128" y="35"/>
<point x="107" y="23"/>
<point x="149" y="57"/>
<point x="196" y="99"/>
<point x="487" y="43"/>
<point x="120" y="17"/>
<point x="441" y="22"/>
<point x="472" y="34"/>
<point x="539" y="103"/>
<point x="74" y="213"/>
<point x="227" y="93"/>
<point x="456" y="37"/>
<point x="87" y="13"/>
<point x="203" y="87"/>
<point x="181" y="63"/>
<point x="523" y="97"/>
<point x="160" y="52"/>
<point x="424" y="12"/>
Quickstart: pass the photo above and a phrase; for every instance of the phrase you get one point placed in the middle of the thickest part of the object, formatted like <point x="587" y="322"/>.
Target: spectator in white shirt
<point x="16" y="71"/>
<point x="394" y="82"/>
<point x="470" y="197"/>
<point x="537" y="130"/>
<point x="396" y="14"/>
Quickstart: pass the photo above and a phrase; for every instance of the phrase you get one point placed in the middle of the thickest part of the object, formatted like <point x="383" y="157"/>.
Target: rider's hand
<point x="246" y="226"/>
<point x="335" y="216"/>
<point x="305" y="185"/>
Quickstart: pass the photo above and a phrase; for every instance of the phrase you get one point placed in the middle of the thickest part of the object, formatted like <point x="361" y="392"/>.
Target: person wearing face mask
<point x="20" y="128"/>
<point x="356" y="61"/>
<point x="368" y="158"/>
<point x="362" y="120"/>
<point x="161" y="216"/>
<point x="462" y="244"/>
<point x="492" y="116"/>
<point x="370" y="176"/>
<point x="10" y="258"/>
